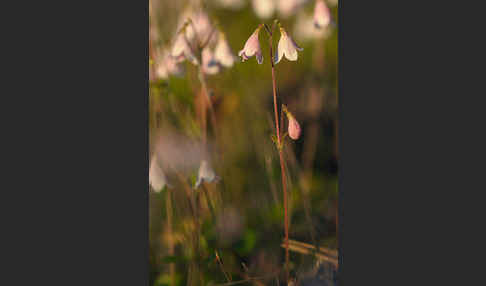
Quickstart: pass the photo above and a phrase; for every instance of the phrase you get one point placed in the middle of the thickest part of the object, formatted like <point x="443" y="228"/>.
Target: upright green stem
<point x="282" y="166"/>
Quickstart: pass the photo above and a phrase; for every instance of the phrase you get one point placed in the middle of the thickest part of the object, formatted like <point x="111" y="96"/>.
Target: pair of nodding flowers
<point x="186" y="46"/>
<point x="286" y="47"/>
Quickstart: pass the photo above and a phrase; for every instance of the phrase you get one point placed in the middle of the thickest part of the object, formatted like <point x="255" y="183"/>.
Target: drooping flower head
<point x="222" y="52"/>
<point x="200" y="27"/>
<point x="294" y="127"/>
<point x="252" y="47"/>
<point x="206" y="173"/>
<point x="182" y="50"/>
<point x="167" y="65"/>
<point x="287" y="47"/>
<point x="305" y="30"/>
<point x="322" y="15"/>
<point x="157" y="177"/>
<point x="194" y="33"/>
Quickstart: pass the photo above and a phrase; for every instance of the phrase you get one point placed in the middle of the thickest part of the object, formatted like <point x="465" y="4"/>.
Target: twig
<point x="222" y="268"/>
<point x="320" y="255"/>
<point x="325" y="250"/>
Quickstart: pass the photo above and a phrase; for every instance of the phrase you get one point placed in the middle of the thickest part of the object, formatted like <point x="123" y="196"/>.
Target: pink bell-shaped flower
<point x="252" y="48"/>
<point x="322" y="15"/>
<point x="287" y="47"/>
<point x="305" y="30"/>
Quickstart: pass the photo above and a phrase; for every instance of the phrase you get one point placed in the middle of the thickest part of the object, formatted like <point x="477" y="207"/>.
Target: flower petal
<point x="290" y="51"/>
<point x="259" y="57"/>
<point x="252" y="47"/>
<point x="295" y="45"/>
<point x="280" y="50"/>
<point x="157" y="177"/>
<point x="222" y="52"/>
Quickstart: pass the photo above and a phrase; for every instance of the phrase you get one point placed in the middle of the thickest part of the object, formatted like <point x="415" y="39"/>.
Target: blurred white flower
<point x="200" y="29"/>
<point x="252" y="48"/>
<point x="167" y="65"/>
<point x="223" y="53"/>
<point x="162" y="71"/>
<point x="287" y="47"/>
<point x="209" y="63"/>
<point x="264" y="8"/>
<point x="206" y="173"/>
<point x="157" y="177"/>
<point x="178" y="152"/>
<point x="181" y="49"/>
<point x="322" y="15"/>
<point x="231" y="4"/>
<point x="173" y="67"/>
<point x="304" y="28"/>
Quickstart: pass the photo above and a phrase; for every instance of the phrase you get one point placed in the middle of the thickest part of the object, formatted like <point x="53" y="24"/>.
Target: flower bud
<point x="294" y="127"/>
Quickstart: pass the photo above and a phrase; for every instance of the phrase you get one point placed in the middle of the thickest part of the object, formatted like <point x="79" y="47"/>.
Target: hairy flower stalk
<point x="202" y="79"/>
<point x="282" y="165"/>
